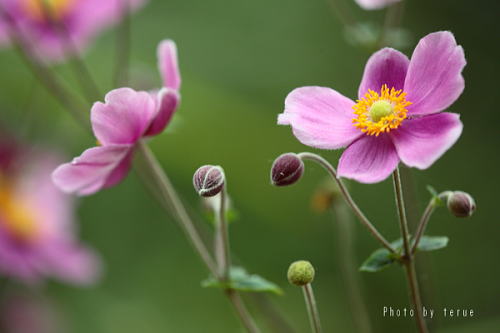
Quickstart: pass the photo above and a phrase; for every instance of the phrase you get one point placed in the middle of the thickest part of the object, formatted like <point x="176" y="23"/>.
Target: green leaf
<point x="378" y="260"/>
<point x="437" y="201"/>
<point x="242" y="281"/>
<point x="383" y="258"/>
<point x="432" y="243"/>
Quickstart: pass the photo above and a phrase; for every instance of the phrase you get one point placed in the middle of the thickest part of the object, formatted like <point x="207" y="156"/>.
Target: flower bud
<point x="300" y="273"/>
<point x="461" y="204"/>
<point x="208" y="180"/>
<point x="287" y="169"/>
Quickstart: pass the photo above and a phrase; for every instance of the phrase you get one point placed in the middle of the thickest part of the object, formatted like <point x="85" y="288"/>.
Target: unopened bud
<point x="300" y="273"/>
<point x="461" y="204"/>
<point x="287" y="169"/>
<point x="208" y="180"/>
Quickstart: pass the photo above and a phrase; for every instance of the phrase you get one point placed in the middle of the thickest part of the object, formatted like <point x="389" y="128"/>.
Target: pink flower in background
<point x="37" y="231"/>
<point x="397" y="117"/>
<point x="29" y="313"/>
<point x="375" y="4"/>
<point x="54" y="27"/>
<point x="126" y="117"/>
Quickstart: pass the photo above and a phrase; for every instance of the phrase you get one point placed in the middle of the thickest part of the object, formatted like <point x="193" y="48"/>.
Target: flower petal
<point x="387" y="66"/>
<point x="168" y="64"/>
<point x="375" y="4"/>
<point x="434" y="80"/>
<point x="96" y="168"/>
<point x="421" y="141"/>
<point x="167" y="102"/>
<point x="370" y="159"/>
<point x="320" y="117"/>
<point x="124" y="117"/>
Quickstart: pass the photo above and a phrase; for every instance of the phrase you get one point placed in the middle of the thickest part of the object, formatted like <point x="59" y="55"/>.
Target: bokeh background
<point x="239" y="59"/>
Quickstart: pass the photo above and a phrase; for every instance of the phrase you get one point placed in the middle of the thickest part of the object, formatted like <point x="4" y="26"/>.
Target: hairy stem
<point x="408" y="257"/>
<point x="422" y="225"/>
<point x="357" y="211"/>
<point x="242" y="311"/>
<point x="224" y="254"/>
<point x="312" y="309"/>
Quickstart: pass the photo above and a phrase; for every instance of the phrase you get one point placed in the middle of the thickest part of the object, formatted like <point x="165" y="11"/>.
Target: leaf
<point x="378" y="260"/>
<point x="432" y="243"/>
<point x="437" y="201"/>
<point x="242" y="281"/>
<point x="383" y="258"/>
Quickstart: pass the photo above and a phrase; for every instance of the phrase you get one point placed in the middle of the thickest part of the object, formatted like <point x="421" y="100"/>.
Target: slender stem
<point x="41" y="73"/>
<point x="242" y="311"/>
<point x="312" y="309"/>
<point x="223" y="238"/>
<point x="274" y="316"/>
<point x="347" y="258"/>
<point x="424" y="220"/>
<point x="403" y="223"/>
<point x="121" y="76"/>
<point x="82" y="73"/>
<point x="175" y="206"/>
<point x="408" y="258"/>
<point x="357" y="211"/>
<point x="170" y="197"/>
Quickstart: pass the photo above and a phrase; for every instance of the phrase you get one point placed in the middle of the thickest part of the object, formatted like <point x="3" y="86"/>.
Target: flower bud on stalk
<point x="460" y="204"/>
<point x="300" y="273"/>
<point x="286" y="170"/>
<point x="208" y="180"/>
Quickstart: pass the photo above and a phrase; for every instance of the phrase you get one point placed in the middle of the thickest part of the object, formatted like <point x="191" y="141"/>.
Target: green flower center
<point x="380" y="109"/>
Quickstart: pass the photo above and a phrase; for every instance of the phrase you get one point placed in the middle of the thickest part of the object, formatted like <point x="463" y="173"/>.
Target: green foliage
<point x="241" y="280"/>
<point x="383" y="258"/>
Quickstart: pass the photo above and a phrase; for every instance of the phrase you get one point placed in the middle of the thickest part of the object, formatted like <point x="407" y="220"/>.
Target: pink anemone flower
<point x="55" y="27"/>
<point x="37" y="231"/>
<point x="397" y="117"/>
<point x="126" y="117"/>
<point x="375" y="4"/>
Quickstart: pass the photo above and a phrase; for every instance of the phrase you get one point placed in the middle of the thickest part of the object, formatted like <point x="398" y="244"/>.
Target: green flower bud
<point x="300" y="273"/>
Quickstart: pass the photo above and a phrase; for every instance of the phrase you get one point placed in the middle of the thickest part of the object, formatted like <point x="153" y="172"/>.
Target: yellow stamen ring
<point x="380" y="113"/>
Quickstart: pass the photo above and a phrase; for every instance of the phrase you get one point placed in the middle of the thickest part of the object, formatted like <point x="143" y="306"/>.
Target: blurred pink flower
<point x="397" y="117"/>
<point x="29" y="313"/>
<point x="55" y="27"/>
<point x="375" y="4"/>
<point x="118" y="124"/>
<point x="37" y="231"/>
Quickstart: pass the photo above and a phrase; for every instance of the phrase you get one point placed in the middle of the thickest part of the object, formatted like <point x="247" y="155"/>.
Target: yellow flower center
<point x="44" y="10"/>
<point x="16" y="216"/>
<point x="380" y="112"/>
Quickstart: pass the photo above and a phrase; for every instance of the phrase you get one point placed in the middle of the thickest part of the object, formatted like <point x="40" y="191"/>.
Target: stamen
<point x="380" y="113"/>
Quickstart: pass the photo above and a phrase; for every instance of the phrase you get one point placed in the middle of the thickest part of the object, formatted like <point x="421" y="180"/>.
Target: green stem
<point x="222" y="246"/>
<point x="171" y="199"/>
<point x="245" y="317"/>
<point x="121" y="76"/>
<point x="408" y="261"/>
<point x="312" y="309"/>
<point x="347" y="259"/>
<point x="423" y="224"/>
<point x="357" y="211"/>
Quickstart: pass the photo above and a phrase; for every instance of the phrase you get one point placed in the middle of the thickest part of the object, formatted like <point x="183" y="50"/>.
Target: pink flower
<point x="375" y="4"/>
<point x="126" y="117"/>
<point x="37" y="232"/>
<point x="397" y="117"/>
<point x="55" y="27"/>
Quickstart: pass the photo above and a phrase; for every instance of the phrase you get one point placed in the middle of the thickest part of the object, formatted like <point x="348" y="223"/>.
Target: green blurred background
<point x="239" y="59"/>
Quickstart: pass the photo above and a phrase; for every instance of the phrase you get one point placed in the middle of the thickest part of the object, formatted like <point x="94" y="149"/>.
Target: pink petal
<point x="320" y="117"/>
<point x="167" y="102"/>
<point x="375" y="4"/>
<point x="124" y="117"/>
<point x="96" y="168"/>
<point x="387" y="66"/>
<point x="168" y="64"/>
<point x="434" y="79"/>
<point x="370" y="159"/>
<point x="421" y="141"/>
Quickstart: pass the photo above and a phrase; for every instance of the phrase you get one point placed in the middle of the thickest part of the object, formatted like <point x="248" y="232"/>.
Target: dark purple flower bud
<point x="208" y="180"/>
<point x="287" y="169"/>
<point x="461" y="204"/>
